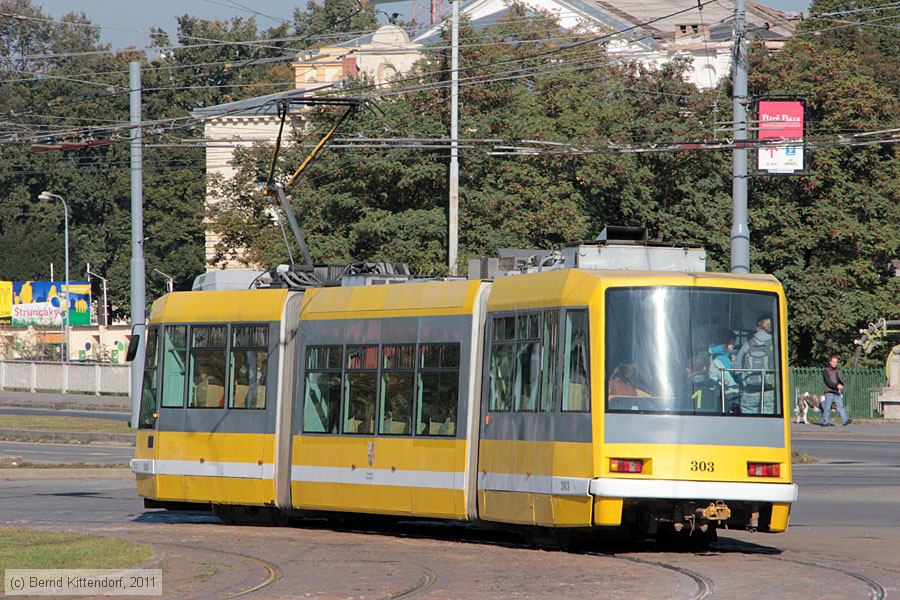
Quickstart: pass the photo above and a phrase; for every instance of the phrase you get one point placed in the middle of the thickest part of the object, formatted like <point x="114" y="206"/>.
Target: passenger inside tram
<point x="624" y="381"/>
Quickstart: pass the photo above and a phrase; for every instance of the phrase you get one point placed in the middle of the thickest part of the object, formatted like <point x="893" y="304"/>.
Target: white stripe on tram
<point x="534" y="484"/>
<point x="446" y="480"/>
<point x="195" y="468"/>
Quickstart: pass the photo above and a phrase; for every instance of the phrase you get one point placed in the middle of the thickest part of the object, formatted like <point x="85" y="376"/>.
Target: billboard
<point x="5" y="302"/>
<point x="781" y="120"/>
<point x="41" y="303"/>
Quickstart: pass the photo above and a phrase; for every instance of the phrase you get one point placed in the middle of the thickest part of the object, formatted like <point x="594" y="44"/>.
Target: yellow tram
<point x="563" y="398"/>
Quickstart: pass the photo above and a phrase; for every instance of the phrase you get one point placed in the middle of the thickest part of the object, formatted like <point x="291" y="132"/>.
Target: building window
<point x="397" y="389"/>
<point x="438" y="389"/>
<point x="174" y="365"/>
<point x="322" y="397"/>
<point x="249" y="366"/>
<point x="576" y="384"/>
<point x="360" y="389"/>
<point x="207" y="387"/>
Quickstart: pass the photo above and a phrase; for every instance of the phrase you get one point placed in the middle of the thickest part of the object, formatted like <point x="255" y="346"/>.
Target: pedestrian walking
<point x="834" y="393"/>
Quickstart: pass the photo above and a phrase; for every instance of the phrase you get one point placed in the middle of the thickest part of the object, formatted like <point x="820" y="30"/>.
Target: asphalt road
<point x="854" y="483"/>
<point x="70" y="501"/>
<point x="843" y="530"/>
<point x="86" y="414"/>
<point x="94" y="454"/>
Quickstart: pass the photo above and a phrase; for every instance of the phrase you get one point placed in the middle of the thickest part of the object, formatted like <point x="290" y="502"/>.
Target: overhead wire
<point x="557" y="67"/>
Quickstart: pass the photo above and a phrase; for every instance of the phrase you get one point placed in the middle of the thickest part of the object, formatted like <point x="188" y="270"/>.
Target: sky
<point x="127" y="22"/>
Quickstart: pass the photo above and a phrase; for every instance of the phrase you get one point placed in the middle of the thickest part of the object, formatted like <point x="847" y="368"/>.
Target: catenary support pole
<point x="740" y="230"/>
<point x="453" y="211"/>
<point x="68" y="305"/>
<point x="138" y="312"/>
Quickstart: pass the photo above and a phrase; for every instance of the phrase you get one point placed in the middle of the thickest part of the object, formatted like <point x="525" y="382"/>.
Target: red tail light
<point x="763" y="470"/>
<point x="622" y="465"/>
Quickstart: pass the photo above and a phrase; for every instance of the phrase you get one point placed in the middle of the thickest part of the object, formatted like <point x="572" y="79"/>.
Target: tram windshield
<point x="692" y="350"/>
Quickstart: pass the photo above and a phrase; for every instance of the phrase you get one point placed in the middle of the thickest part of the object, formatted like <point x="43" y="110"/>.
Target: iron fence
<point x="860" y="390"/>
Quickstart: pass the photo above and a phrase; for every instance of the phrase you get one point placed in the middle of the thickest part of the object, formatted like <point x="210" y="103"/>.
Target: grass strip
<point x="30" y="549"/>
<point x="798" y="457"/>
<point x="63" y="424"/>
<point x="79" y="465"/>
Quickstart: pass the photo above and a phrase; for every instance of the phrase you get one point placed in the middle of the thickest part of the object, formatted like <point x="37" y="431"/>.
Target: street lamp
<point x="47" y="196"/>
<point x="170" y="282"/>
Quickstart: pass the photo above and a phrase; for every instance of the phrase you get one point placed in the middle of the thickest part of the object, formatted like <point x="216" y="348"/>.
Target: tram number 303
<point x="703" y="466"/>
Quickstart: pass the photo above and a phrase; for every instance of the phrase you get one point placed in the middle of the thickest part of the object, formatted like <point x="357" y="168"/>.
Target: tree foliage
<point x="828" y="236"/>
<point x="57" y="79"/>
<point x="391" y="205"/>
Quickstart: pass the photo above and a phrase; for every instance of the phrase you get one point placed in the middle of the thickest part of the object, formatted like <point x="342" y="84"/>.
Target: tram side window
<point x="149" y="388"/>
<point x="576" y="385"/>
<point x="550" y="347"/>
<point x="527" y="379"/>
<point x="360" y="389"/>
<point x="503" y="362"/>
<point x="322" y="389"/>
<point x="207" y="385"/>
<point x="249" y="365"/>
<point x="397" y="389"/>
<point x="438" y="389"/>
<point x="173" y="366"/>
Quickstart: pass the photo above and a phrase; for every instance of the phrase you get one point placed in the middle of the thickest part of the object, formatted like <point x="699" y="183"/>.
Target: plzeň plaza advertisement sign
<point x="781" y="150"/>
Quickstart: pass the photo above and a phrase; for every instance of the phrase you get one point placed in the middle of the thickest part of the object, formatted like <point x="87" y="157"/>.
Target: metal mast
<point x="138" y="311"/>
<point x="740" y="231"/>
<point x="453" y="212"/>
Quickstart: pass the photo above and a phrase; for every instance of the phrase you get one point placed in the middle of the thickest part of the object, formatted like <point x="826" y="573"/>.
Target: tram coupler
<point x="716" y="511"/>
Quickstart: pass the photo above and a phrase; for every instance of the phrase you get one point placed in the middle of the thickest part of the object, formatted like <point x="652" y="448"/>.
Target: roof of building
<point x="621" y="15"/>
<point x="260" y="105"/>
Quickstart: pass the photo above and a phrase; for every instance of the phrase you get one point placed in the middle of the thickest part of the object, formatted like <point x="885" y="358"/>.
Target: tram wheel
<point x="685" y="540"/>
<point x="225" y="513"/>
<point x="279" y="517"/>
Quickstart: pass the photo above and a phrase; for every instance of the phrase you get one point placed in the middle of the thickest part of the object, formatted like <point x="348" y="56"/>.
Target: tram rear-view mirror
<point x="133" y="345"/>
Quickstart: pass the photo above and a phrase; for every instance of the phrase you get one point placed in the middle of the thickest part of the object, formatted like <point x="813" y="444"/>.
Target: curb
<point x="69" y="436"/>
<point x="98" y="405"/>
<point x="54" y="473"/>
<point x="846" y="437"/>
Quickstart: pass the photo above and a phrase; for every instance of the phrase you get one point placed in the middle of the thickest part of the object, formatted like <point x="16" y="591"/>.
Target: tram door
<point x="534" y="454"/>
<point x="171" y="423"/>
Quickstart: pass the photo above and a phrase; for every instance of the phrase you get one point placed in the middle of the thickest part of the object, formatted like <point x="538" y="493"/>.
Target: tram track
<point x="273" y="571"/>
<point x="429" y="577"/>
<point x="705" y="585"/>
<point x="876" y="590"/>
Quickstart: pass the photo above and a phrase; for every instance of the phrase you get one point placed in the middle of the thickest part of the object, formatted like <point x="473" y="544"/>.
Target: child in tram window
<point x="720" y="363"/>
<point x="700" y="392"/>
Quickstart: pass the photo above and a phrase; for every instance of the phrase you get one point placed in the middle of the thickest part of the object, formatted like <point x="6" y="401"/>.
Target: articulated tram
<point x="579" y="398"/>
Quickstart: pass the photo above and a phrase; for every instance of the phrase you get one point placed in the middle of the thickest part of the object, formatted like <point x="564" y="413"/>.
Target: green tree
<point x="377" y="204"/>
<point x="317" y="25"/>
<point x="830" y="236"/>
<point x="58" y="83"/>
